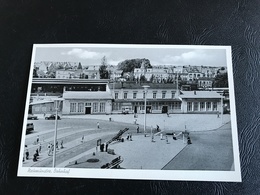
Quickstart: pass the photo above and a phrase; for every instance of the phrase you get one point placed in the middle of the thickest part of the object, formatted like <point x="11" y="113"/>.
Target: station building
<point x="101" y="97"/>
<point x="129" y="97"/>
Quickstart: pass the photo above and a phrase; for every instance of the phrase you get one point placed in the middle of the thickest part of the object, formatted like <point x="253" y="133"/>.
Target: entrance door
<point x="164" y="109"/>
<point x="87" y="110"/>
<point x="148" y="109"/>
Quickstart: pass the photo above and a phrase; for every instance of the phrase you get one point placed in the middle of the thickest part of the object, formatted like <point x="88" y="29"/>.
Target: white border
<point x="225" y="176"/>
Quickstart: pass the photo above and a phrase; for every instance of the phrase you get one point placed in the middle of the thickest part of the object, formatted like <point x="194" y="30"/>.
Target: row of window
<point x="80" y="107"/>
<point x="202" y="106"/>
<point x="163" y="95"/>
<point x="153" y="106"/>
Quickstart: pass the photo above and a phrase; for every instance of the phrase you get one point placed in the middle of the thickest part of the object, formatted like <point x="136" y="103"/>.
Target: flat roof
<point x="199" y="94"/>
<point x="87" y="95"/>
<point x="68" y="81"/>
<point x="133" y="85"/>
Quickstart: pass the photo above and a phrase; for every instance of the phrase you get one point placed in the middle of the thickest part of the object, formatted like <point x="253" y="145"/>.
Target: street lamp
<point x="145" y="93"/>
<point x="57" y="102"/>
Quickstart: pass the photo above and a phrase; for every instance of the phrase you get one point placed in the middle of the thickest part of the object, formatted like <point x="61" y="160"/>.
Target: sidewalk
<point x="176" y="122"/>
<point x="140" y="153"/>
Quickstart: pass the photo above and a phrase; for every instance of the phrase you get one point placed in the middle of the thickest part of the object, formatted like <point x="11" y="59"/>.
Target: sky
<point x="158" y="55"/>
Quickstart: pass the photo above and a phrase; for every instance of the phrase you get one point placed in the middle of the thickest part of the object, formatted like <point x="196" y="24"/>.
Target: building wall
<point x="202" y="106"/>
<point x="47" y="108"/>
<point x="84" y="106"/>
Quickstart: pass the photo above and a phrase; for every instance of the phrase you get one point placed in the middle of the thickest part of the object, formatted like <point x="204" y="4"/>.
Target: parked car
<point x="52" y="117"/>
<point x="29" y="127"/>
<point x="32" y="117"/>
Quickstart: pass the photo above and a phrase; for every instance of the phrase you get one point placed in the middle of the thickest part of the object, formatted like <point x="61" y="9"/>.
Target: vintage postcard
<point x="149" y="112"/>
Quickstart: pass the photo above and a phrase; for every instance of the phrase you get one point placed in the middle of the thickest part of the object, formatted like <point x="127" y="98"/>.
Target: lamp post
<point x="56" y="105"/>
<point x="145" y="93"/>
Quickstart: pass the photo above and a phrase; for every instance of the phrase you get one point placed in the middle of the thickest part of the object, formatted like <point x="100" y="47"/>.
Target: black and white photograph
<point x="162" y="112"/>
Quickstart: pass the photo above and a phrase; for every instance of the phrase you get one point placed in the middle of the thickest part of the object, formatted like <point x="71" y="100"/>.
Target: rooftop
<point x="199" y="94"/>
<point x="133" y="85"/>
<point x="87" y="95"/>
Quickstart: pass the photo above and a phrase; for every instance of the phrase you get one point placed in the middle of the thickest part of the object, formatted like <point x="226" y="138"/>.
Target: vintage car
<point x="32" y="117"/>
<point x="52" y="117"/>
<point x="29" y="127"/>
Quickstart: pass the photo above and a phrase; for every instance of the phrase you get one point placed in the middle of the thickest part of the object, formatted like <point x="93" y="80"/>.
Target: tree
<point x="35" y="74"/>
<point x="221" y="80"/>
<point x="80" y="66"/>
<point x="130" y="65"/>
<point x="103" y="72"/>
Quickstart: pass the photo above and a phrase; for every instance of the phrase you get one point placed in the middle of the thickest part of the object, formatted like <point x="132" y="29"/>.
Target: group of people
<point x="50" y="149"/>
<point x="129" y="136"/>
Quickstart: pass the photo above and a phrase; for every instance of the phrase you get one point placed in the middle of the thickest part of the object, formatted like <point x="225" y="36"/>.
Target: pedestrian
<point x="137" y="129"/>
<point x="40" y="148"/>
<point x="218" y="114"/>
<point x="161" y="135"/>
<point x="106" y="147"/>
<point x="130" y="137"/>
<point x="61" y="144"/>
<point x="26" y="153"/>
<point x="98" y="125"/>
<point x="52" y="148"/>
<point x="37" y="152"/>
<point x="49" y="149"/>
<point x="127" y="136"/>
<point x="157" y="128"/>
<point x="57" y="145"/>
<point x="82" y="139"/>
<point x="189" y="140"/>
<point x="37" y="139"/>
<point x="35" y="157"/>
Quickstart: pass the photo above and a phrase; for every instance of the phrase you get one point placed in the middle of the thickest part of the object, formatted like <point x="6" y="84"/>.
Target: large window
<point x="195" y="104"/>
<point x="116" y="106"/>
<point x="125" y="95"/>
<point x="102" y="107"/>
<point x="176" y="105"/>
<point x="155" y="106"/>
<point x="173" y="93"/>
<point x="88" y="104"/>
<point x="208" y="106"/>
<point x="134" y="95"/>
<point x="81" y="107"/>
<point x="116" y="95"/>
<point x="95" y="107"/>
<point x="73" y="107"/>
<point x="215" y="106"/>
<point x="202" y="106"/>
<point x="154" y="95"/>
<point x="163" y="94"/>
<point x="189" y="106"/>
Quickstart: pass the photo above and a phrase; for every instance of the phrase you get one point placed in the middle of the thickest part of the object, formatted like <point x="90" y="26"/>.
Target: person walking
<point x="26" y="153"/>
<point x="37" y="139"/>
<point x="49" y="149"/>
<point x="98" y="125"/>
<point x="137" y="129"/>
<point x="40" y="148"/>
<point x="57" y="144"/>
<point x="82" y="139"/>
<point x="61" y="144"/>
